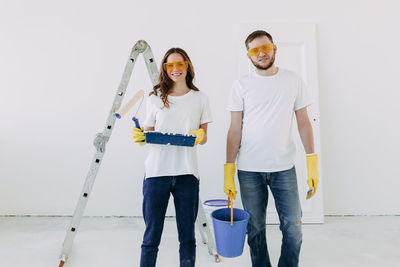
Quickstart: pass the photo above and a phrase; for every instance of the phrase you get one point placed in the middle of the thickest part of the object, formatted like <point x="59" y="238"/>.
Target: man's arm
<point x="307" y="138"/>
<point x="232" y="148"/>
<point x="234" y="136"/>
<point x="305" y="130"/>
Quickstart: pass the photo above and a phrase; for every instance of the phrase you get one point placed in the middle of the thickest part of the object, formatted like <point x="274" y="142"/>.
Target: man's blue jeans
<point x="254" y="194"/>
<point x="156" y="192"/>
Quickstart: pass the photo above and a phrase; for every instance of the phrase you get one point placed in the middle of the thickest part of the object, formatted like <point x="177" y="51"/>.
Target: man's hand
<point x="138" y="136"/>
<point x="313" y="178"/>
<point x="229" y="183"/>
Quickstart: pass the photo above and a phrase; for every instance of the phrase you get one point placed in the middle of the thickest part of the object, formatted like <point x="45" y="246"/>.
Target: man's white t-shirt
<point x="185" y="114"/>
<point x="268" y="104"/>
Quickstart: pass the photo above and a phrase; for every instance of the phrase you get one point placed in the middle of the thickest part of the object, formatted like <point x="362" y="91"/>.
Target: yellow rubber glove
<point x="200" y="134"/>
<point x="313" y="178"/>
<point x="138" y="136"/>
<point x="229" y="183"/>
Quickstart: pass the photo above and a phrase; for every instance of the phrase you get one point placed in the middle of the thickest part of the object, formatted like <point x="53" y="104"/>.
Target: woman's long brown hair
<point x="166" y="83"/>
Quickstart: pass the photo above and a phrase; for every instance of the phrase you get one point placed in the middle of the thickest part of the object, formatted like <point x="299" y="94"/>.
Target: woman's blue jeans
<point x="254" y="194"/>
<point x="156" y="193"/>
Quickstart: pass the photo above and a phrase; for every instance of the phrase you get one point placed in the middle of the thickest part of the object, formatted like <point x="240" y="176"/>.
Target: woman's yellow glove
<point x="138" y="136"/>
<point x="229" y="183"/>
<point x="313" y="177"/>
<point x="199" y="135"/>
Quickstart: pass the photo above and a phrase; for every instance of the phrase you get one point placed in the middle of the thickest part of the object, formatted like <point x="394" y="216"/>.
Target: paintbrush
<point x="309" y="193"/>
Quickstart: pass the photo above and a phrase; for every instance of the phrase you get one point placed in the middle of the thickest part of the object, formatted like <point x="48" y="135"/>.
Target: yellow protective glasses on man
<point x="179" y="65"/>
<point x="265" y="48"/>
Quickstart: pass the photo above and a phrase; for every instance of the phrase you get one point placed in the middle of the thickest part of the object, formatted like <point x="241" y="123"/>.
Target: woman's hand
<point x="138" y="136"/>
<point x="200" y="134"/>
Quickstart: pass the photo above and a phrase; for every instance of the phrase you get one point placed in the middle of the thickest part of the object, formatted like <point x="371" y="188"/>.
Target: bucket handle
<point x="230" y="202"/>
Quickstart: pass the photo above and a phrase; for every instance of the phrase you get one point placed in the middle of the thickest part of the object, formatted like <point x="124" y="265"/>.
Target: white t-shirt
<point x="268" y="104"/>
<point x="185" y="114"/>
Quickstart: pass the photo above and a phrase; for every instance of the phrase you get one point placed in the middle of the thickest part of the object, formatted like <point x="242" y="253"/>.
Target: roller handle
<point x="136" y="120"/>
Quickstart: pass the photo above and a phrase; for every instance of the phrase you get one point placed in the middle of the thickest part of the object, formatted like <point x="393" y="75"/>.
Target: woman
<point x="175" y="106"/>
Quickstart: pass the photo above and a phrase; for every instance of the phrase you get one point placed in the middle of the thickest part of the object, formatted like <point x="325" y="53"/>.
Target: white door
<point x="296" y="51"/>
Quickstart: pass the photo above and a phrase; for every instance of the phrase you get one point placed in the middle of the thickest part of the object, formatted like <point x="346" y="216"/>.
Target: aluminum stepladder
<point x="100" y="142"/>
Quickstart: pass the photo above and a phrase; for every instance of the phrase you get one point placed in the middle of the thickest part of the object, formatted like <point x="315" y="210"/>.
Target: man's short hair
<point x="255" y="35"/>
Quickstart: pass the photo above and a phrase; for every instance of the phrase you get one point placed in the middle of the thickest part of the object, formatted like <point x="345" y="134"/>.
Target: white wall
<point x="61" y="63"/>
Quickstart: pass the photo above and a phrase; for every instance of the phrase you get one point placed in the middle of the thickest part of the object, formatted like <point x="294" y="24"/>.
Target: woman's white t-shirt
<point x="185" y="114"/>
<point x="268" y="104"/>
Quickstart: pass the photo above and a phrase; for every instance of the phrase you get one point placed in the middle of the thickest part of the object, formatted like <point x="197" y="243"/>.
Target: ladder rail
<point x="100" y="142"/>
<point x="205" y="232"/>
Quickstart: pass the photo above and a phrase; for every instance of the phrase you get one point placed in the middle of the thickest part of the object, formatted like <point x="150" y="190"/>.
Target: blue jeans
<point x="254" y="194"/>
<point x="156" y="192"/>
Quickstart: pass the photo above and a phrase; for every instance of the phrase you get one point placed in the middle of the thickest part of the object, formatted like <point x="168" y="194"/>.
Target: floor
<point x="367" y="241"/>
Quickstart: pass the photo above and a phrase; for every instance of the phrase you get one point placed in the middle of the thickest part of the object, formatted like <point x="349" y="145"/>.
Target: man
<point x="262" y="106"/>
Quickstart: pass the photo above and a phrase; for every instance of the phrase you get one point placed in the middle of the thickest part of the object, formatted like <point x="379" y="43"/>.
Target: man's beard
<point x="258" y="66"/>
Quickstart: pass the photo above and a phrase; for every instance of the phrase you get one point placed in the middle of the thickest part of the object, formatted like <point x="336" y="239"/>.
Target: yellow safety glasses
<point x="265" y="48"/>
<point x="179" y="65"/>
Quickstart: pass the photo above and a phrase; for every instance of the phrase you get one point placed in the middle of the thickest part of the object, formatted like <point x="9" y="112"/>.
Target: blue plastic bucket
<point x="230" y="238"/>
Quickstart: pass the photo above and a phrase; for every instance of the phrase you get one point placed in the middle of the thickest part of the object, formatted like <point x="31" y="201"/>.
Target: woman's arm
<point x="204" y="127"/>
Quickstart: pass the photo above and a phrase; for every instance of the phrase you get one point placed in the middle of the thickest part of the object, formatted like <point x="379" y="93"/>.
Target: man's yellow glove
<point x="229" y="183"/>
<point x="313" y="178"/>
<point x="199" y="135"/>
<point x="138" y="136"/>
